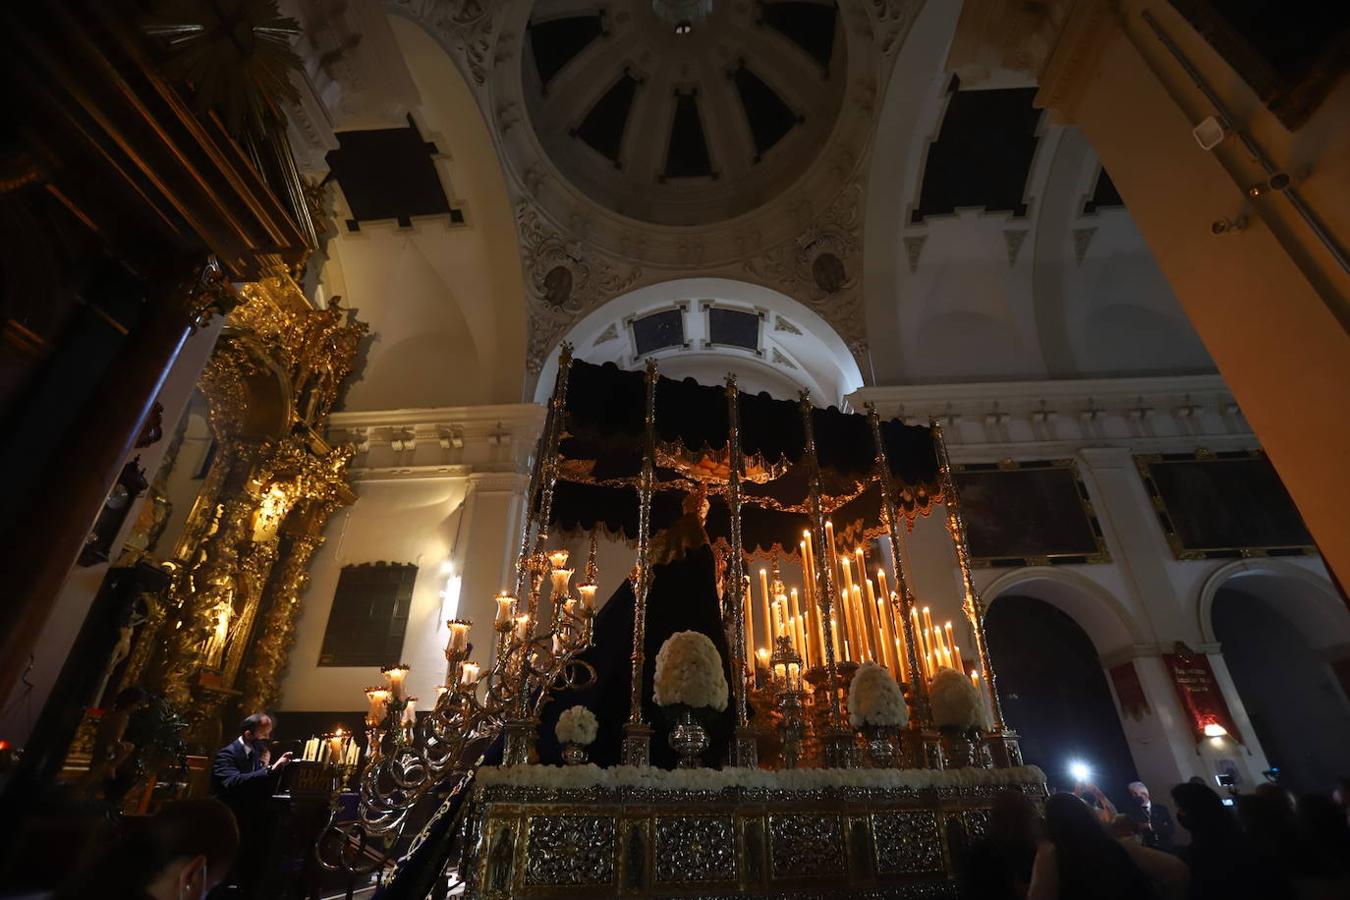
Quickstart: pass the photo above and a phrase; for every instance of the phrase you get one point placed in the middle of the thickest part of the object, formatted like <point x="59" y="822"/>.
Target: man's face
<point x="262" y="733"/>
<point x="1140" y="795"/>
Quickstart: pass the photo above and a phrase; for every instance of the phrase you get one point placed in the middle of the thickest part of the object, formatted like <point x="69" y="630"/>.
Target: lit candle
<point x="335" y="751"/>
<point x="468" y="674"/>
<point x="561" y="580"/>
<point x="881" y="583"/>
<point x="353" y="753"/>
<point x="459" y="635"/>
<point x="570" y="608"/>
<point x="506" y="608"/>
<point x="883" y="630"/>
<point x="951" y="647"/>
<point x="902" y="662"/>
<point x="831" y="554"/>
<point x="587" y="592"/>
<point x="802" y="626"/>
<point x="956" y="657"/>
<point x="764" y="606"/>
<point x="308" y="755"/>
<point x="410" y="712"/>
<point x="794" y="676"/>
<point x="396" y="675"/>
<point x="558" y="558"/>
<point x="748" y="609"/>
<point x="522" y="628"/>
<point x="377" y="697"/>
<point x="860" y="618"/>
<point x="927" y="630"/>
<point x="834" y="637"/>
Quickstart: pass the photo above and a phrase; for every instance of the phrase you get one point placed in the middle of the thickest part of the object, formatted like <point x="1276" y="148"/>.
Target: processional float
<point x="785" y="479"/>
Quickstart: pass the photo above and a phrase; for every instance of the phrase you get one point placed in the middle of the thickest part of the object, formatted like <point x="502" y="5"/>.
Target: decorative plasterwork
<point x="442" y="442"/>
<point x="822" y="267"/>
<point x="1045" y="419"/>
<point x="1014" y="238"/>
<point x="467" y="28"/>
<point x="914" y="249"/>
<point x="1082" y="239"/>
<point x="805" y="242"/>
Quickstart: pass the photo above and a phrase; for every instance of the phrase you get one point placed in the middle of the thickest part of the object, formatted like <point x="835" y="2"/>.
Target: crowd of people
<point x="1268" y="845"/>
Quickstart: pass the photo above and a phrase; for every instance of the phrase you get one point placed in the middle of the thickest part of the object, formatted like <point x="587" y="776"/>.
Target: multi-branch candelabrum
<point x="406" y="756"/>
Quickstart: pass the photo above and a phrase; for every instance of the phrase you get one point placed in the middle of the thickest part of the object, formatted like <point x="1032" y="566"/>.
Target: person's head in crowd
<point x="1278" y="795"/>
<point x="1013" y="820"/>
<point x="180" y="854"/>
<point x="1088" y="858"/>
<point x="1201" y="812"/>
<point x="1122" y="827"/>
<point x="1139" y="793"/>
<point x="1341" y="793"/>
<point x="1322" y="828"/>
<point x="256" y="730"/>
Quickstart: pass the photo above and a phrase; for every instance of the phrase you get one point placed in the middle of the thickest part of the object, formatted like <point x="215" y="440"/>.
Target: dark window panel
<point x="388" y="173"/>
<point x="808" y="25"/>
<point x="769" y="116"/>
<point x="605" y="123"/>
<point x="556" y="42"/>
<point x="687" y="151"/>
<point x="1104" y="194"/>
<point x="734" y="328"/>
<point x="983" y="153"/>
<point x="658" y="331"/>
<point x="369" y="617"/>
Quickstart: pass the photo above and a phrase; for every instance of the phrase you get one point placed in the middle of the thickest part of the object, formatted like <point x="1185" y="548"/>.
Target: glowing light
<point x="1080" y="771"/>
<point x="1215" y="730"/>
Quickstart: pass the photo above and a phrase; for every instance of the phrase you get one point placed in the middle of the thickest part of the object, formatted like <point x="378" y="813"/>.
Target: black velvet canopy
<point x="601" y="458"/>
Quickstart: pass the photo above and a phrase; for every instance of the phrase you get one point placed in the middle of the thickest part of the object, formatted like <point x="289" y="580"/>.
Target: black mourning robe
<point x="682" y="597"/>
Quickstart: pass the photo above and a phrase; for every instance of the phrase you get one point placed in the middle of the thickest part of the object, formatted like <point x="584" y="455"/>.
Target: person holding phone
<point x="244" y="776"/>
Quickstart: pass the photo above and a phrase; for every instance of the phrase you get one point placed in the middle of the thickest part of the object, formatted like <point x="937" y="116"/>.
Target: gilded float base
<point x="595" y="840"/>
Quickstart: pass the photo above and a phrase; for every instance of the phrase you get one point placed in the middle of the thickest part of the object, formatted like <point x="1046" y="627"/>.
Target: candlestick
<point x="522" y="629"/>
<point x="764" y="602"/>
<point x="587" y="592"/>
<point x="468" y="674"/>
<point x="558" y="558"/>
<point x="506" y="608"/>
<point x="335" y="751"/>
<point x="951" y="647"/>
<point x="410" y="712"/>
<point x="459" y="635"/>
<point x="353" y="753"/>
<point x="815" y="640"/>
<point x="395" y="675"/>
<point x="378" y="697"/>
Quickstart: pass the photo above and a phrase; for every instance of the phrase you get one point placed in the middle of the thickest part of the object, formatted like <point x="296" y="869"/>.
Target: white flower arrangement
<point x="875" y="699"/>
<point x="689" y="672"/>
<point x="591" y="776"/>
<point x="956" y="702"/>
<point x="576" y="725"/>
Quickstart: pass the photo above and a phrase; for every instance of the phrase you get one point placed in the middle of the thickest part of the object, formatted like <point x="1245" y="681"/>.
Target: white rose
<point x="689" y="671"/>
<point x="576" y="725"/>
<point x="875" y="699"/>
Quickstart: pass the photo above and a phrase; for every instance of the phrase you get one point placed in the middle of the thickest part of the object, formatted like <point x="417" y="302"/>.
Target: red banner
<point x="1130" y="693"/>
<point x="1199" y="692"/>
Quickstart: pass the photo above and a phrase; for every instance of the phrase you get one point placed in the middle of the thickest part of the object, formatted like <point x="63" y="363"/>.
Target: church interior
<point x="664" y="448"/>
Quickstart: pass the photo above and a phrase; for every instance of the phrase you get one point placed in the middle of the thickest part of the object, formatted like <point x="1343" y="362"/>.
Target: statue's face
<point x="703" y="507"/>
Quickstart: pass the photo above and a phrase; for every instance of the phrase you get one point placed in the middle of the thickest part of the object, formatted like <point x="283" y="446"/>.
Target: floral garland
<point x="591" y="776"/>
<point x="689" y="672"/>
<point x="577" y="725"/>
<point x="956" y="702"/>
<point x="875" y="699"/>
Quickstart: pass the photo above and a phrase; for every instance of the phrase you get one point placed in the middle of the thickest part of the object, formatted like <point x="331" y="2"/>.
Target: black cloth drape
<point x="683" y="597"/>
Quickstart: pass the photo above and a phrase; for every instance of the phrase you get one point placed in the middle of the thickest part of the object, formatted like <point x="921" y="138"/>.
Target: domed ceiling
<point x="684" y="112"/>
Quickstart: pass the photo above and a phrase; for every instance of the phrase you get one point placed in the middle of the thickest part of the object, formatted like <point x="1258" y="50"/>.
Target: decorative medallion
<point x="464" y="27"/>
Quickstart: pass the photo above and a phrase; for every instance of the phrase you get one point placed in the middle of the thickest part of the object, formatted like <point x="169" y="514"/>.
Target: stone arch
<point x="799" y="348"/>
<point x="1097" y="611"/>
<point x="1317" y="612"/>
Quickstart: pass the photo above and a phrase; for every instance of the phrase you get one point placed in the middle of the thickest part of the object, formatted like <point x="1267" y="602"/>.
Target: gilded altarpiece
<point x="216" y="643"/>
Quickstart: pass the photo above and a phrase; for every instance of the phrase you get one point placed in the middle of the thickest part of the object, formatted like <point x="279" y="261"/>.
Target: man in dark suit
<point x="244" y="776"/>
<point x="1156" y="826"/>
